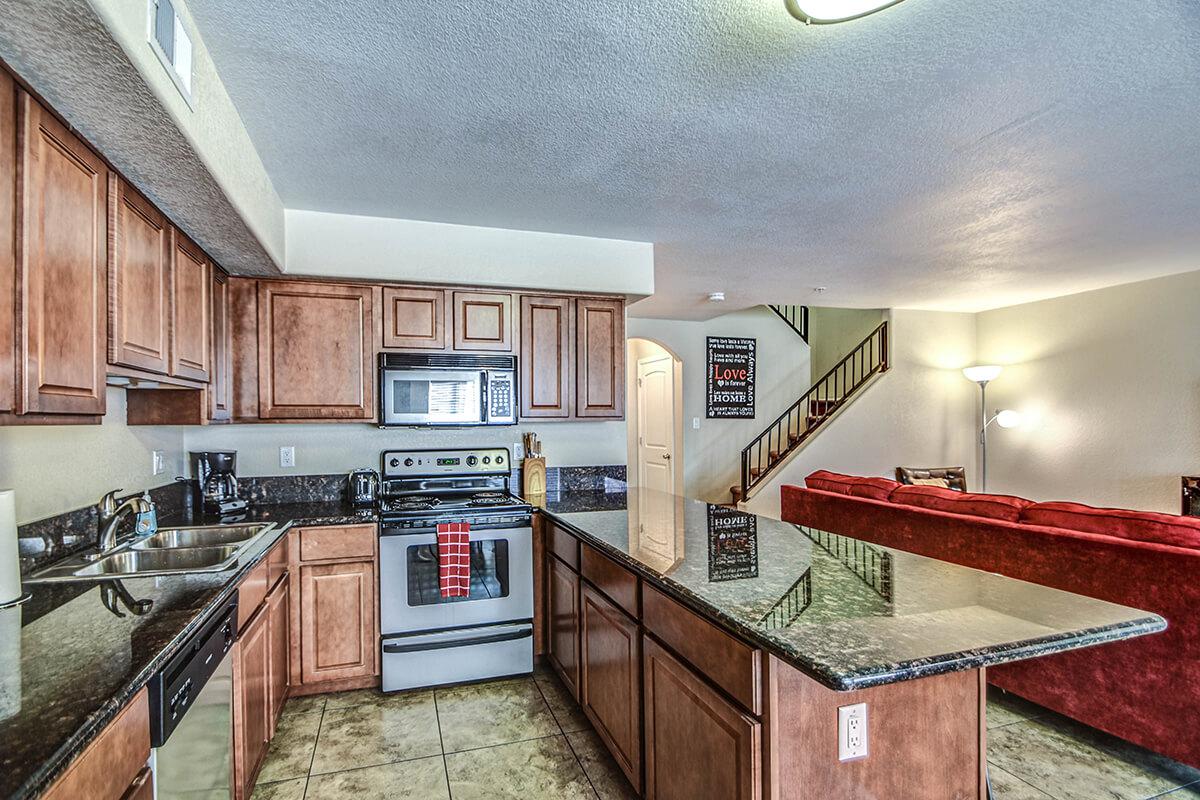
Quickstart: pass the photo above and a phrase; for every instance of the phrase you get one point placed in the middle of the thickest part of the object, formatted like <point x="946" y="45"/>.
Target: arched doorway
<point x="654" y="388"/>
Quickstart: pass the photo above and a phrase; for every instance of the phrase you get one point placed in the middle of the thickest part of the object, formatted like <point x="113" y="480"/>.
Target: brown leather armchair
<point x="955" y="477"/>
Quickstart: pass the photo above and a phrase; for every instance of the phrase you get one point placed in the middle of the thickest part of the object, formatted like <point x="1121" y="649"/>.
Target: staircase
<point x="796" y="317"/>
<point x="829" y="394"/>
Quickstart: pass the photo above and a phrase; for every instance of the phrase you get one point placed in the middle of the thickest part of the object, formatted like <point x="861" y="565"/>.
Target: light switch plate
<point x="852" y="732"/>
<point x="287" y="456"/>
<point x="518" y="451"/>
<point x="695" y="423"/>
<point x="157" y="464"/>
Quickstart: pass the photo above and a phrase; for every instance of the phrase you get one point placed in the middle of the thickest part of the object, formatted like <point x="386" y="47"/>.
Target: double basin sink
<point x="168" y="552"/>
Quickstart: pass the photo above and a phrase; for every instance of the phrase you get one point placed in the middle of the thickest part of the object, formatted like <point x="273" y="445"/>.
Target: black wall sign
<point x="730" y="378"/>
<point x="732" y="544"/>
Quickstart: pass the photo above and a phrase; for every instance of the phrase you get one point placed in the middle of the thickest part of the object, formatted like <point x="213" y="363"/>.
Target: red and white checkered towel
<point x="454" y="558"/>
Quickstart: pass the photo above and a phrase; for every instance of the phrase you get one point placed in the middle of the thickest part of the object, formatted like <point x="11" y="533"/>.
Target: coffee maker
<point x="215" y="472"/>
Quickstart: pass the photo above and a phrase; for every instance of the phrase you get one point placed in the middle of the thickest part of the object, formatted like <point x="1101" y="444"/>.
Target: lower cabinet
<point x="337" y="612"/>
<point x="562" y="610"/>
<point x="279" y="649"/>
<point x="252" y="721"/>
<point x="698" y="744"/>
<point x="611" y="685"/>
<point x="113" y="766"/>
<point x="142" y="787"/>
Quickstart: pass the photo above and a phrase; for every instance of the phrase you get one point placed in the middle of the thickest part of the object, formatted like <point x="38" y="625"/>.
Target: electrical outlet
<point x="695" y="423"/>
<point x="852" y="732"/>
<point x="157" y="463"/>
<point x="518" y="451"/>
<point x="287" y="456"/>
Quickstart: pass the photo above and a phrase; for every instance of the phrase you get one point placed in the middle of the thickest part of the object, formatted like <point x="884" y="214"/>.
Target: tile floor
<point x="526" y="739"/>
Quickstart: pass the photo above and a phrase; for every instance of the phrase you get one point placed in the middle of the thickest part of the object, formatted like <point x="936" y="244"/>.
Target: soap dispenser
<point x="147" y="521"/>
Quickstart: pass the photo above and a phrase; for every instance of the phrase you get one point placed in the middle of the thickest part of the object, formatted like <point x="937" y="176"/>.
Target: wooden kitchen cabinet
<point x="252" y="723"/>
<point x="139" y="283"/>
<point x="599" y="358"/>
<point x="338" y="638"/>
<point x="191" y="309"/>
<point x="697" y="743"/>
<point x="562" y="609"/>
<point x="279" y="648"/>
<point x="610" y="684"/>
<point x="316" y="344"/>
<point x="8" y="242"/>
<point x="414" y="319"/>
<point x="482" y="320"/>
<point x="220" y="386"/>
<point x="114" y="764"/>
<point x="62" y="268"/>
<point x="545" y="359"/>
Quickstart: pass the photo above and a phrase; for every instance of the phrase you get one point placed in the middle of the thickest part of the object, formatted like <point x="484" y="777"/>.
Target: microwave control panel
<point x="502" y="398"/>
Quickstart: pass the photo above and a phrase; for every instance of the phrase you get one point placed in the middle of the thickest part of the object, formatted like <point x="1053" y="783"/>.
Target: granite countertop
<point x="73" y="655"/>
<point x="849" y="613"/>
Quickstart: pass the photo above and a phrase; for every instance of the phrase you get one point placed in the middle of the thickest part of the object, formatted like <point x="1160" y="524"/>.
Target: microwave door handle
<point x="485" y="413"/>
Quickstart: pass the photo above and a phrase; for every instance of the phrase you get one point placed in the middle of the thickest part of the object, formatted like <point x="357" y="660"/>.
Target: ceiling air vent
<point x="172" y="44"/>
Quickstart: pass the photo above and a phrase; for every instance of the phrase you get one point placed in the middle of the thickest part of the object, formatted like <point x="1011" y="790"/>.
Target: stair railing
<point x="796" y="317"/>
<point x="822" y="400"/>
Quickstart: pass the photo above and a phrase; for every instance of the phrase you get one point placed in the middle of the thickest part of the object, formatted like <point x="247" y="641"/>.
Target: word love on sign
<point x="730" y="378"/>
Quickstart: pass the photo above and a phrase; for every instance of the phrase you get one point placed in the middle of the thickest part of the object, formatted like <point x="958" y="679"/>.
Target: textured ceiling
<point x="957" y="154"/>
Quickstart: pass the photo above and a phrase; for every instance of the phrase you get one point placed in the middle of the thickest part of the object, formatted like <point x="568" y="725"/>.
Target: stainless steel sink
<point x="171" y="551"/>
<point x="169" y="539"/>
<point x="159" y="562"/>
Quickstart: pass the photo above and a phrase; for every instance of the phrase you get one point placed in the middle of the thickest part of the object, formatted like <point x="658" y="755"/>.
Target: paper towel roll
<point x="10" y="662"/>
<point x="10" y="563"/>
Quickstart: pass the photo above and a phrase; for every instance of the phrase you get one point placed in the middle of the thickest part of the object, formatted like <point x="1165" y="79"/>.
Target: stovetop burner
<point x="490" y="500"/>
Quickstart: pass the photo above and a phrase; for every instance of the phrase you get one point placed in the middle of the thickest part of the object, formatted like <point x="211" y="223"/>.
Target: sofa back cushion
<point x="1142" y="526"/>
<point x="854" y="485"/>
<point x="992" y="506"/>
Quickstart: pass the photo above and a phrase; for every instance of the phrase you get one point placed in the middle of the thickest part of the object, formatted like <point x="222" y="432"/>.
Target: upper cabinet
<point x="316" y="346"/>
<point x="600" y="358"/>
<point x="220" y="387"/>
<point x="191" y="309"/>
<point x="414" y="319"/>
<point x="572" y="357"/>
<point x="8" y="242"/>
<point x="62" y="267"/>
<point x="139" y="283"/>
<point x="483" y="321"/>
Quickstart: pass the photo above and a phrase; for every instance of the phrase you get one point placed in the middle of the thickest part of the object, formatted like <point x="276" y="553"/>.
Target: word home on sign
<point x="730" y="379"/>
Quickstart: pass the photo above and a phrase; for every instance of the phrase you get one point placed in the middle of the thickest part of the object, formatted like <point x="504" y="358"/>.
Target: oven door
<point x="433" y="397"/>
<point x="410" y="599"/>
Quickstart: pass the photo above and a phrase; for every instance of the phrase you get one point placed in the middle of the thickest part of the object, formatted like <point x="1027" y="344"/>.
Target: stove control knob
<point x="487" y="459"/>
<point x="395" y="462"/>
<point x="472" y="461"/>
<point x="408" y="462"/>
<point x="499" y="459"/>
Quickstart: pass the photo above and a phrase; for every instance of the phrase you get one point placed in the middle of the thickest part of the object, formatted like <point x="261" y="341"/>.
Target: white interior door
<point x="656" y="423"/>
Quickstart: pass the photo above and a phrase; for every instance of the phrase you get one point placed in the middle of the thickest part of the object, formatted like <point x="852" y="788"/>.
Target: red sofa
<point x="1144" y="690"/>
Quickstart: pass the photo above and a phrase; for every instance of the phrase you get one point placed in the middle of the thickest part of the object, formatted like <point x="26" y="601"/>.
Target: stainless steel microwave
<point x="437" y="389"/>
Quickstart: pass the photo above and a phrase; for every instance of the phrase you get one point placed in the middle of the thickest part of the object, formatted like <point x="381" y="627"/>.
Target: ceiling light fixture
<point x="716" y="297"/>
<point x="823" y="12"/>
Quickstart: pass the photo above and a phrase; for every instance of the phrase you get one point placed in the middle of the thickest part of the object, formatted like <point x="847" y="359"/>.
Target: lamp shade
<point x="983" y="373"/>
<point x="1008" y="418"/>
<point x="826" y="11"/>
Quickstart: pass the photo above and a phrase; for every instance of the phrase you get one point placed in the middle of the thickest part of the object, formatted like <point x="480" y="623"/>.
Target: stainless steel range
<point x="429" y="639"/>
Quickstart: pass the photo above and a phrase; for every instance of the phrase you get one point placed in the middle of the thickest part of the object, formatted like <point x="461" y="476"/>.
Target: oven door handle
<point x="446" y="644"/>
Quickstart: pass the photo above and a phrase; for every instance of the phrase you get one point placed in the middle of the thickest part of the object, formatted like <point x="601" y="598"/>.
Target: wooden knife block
<point x="533" y="477"/>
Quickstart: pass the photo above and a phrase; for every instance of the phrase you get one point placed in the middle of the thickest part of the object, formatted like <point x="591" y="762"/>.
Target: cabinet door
<point x="611" y="685"/>
<point x="545" y="361"/>
<point x="62" y="269"/>
<point x="698" y="744"/>
<point x="562" y="601"/>
<point x="139" y="283"/>
<point x="414" y="319"/>
<point x="337" y="621"/>
<point x="251" y="703"/>
<point x="191" y="309"/>
<point x="142" y="787"/>
<point x="279" y="649"/>
<point x="8" y="242"/>
<point x="483" y="321"/>
<point x="315" y="351"/>
<point x="600" y="358"/>
<point x="220" y="385"/>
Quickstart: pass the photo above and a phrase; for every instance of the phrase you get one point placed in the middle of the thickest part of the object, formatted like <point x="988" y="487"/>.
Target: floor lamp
<point x="983" y="375"/>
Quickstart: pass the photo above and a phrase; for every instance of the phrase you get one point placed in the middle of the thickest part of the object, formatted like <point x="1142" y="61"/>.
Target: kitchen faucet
<point x="110" y="517"/>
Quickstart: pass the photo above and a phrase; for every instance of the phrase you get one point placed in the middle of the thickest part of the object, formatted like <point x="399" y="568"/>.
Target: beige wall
<point x="1109" y="383"/>
<point x="919" y="413"/>
<point x="57" y="468"/>
<point x="834" y="332"/>
<point x="329" y="448"/>
<point x="711" y="453"/>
